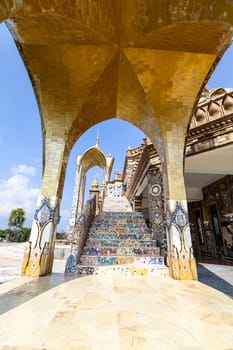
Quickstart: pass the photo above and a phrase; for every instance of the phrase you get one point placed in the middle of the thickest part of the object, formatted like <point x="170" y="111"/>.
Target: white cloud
<point x="16" y="192"/>
<point x="24" y="170"/>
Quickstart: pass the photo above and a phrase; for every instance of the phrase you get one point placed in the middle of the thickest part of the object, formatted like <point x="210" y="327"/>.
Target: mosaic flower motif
<point x="44" y="213"/>
<point x="180" y="217"/>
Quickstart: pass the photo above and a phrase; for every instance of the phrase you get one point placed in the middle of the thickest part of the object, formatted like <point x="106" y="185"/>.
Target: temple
<point x="92" y="157"/>
<point x="137" y="196"/>
<point x="146" y="62"/>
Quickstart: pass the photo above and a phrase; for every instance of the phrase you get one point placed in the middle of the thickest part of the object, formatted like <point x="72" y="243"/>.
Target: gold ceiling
<point x="144" y="61"/>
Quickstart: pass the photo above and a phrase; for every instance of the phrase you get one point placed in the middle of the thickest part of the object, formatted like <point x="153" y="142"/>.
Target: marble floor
<point x="117" y="313"/>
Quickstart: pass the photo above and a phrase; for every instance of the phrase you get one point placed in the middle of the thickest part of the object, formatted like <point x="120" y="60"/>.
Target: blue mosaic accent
<point x="156" y="261"/>
<point x="71" y="264"/>
<point x="179" y="217"/>
<point x="44" y="213"/>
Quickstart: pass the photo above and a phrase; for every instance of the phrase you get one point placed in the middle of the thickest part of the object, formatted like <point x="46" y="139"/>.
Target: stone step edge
<point x="120" y="240"/>
<point x="119" y="246"/>
<point x="124" y="265"/>
<point x="119" y="221"/>
<point x="129" y="270"/>
<point x="120" y="256"/>
<point x="118" y="233"/>
<point x="120" y="214"/>
<point x="118" y="227"/>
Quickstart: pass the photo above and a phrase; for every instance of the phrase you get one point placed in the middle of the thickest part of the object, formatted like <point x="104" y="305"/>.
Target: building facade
<point x="145" y="62"/>
<point x="211" y="214"/>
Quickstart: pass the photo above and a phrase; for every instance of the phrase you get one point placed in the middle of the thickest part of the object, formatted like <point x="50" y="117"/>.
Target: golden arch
<point x="91" y="61"/>
<point x="93" y="156"/>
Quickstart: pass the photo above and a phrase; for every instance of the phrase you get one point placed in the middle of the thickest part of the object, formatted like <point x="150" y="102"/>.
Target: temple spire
<point x="97" y="139"/>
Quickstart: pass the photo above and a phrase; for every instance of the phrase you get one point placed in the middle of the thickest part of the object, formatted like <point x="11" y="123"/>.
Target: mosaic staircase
<point x="120" y="243"/>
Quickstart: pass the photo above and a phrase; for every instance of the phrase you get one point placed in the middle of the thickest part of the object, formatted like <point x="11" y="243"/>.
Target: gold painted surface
<point x="167" y="82"/>
<point x="177" y="271"/>
<point x="92" y="157"/>
<point x="144" y="61"/>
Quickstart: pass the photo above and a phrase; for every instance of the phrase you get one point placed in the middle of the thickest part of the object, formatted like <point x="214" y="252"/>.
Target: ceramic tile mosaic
<point x="123" y="270"/>
<point x="120" y="243"/>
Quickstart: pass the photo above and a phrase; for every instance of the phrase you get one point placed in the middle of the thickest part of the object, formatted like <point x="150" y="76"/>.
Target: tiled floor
<point x="99" y="312"/>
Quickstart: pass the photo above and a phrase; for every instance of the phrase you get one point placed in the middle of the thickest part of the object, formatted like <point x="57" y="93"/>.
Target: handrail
<point x="81" y="229"/>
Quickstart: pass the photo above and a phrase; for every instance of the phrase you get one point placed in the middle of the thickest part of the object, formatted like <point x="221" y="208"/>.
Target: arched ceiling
<point x="142" y="60"/>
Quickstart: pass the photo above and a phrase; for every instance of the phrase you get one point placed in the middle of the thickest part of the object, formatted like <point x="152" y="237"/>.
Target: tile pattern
<point x="143" y="61"/>
<point x="156" y="205"/>
<point x="120" y="243"/>
<point x="44" y="213"/>
<point x="180" y="254"/>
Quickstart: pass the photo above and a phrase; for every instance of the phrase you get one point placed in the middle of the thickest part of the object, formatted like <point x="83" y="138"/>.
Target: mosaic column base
<point x="180" y="260"/>
<point x="182" y="269"/>
<point x="39" y="255"/>
<point x="37" y="262"/>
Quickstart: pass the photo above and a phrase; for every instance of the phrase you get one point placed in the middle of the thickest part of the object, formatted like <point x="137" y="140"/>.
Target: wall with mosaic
<point x="90" y="61"/>
<point x="156" y="208"/>
<point x="212" y="230"/>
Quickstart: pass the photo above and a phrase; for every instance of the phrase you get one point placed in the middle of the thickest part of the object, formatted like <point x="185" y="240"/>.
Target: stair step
<point x="120" y="242"/>
<point x="119" y="228"/>
<point x="121" y="236"/>
<point x="121" y="251"/>
<point x="120" y="204"/>
<point x="124" y="270"/>
<point x="120" y="231"/>
<point x="117" y="223"/>
<point x="120" y="219"/>
<point x="112" y="214"/>
<point x="116" y="260"/>
<point x="95" y="243"/>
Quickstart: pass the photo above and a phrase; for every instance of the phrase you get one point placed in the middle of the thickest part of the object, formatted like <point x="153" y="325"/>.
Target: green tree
<point x="17" y="218"/>
<point x="24" y="234"/>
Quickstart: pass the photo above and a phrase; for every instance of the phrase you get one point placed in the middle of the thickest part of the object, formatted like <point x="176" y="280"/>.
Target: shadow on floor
<point x="31" y="289"/>
<point x="209" y="278"/>
<point x="40" y="285"/>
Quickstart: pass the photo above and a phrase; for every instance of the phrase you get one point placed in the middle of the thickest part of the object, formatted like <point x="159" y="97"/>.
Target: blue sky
<point x="21" y="142"/>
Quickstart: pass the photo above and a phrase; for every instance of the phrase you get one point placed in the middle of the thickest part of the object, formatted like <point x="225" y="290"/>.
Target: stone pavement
<point x="11" y="257"/>
<point x="217" y="276"/>
<point x="61" y="312"/>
